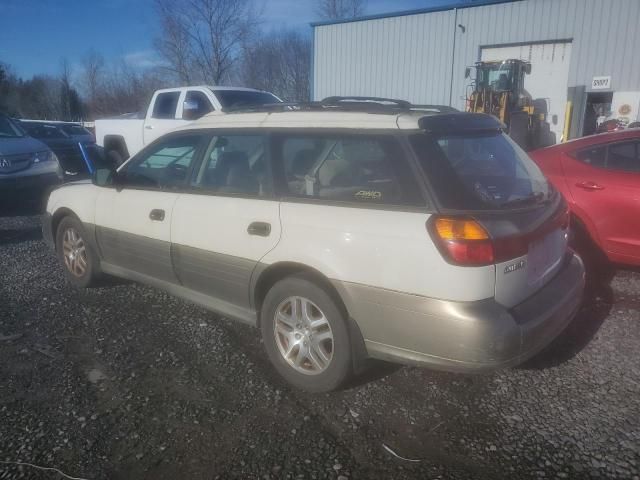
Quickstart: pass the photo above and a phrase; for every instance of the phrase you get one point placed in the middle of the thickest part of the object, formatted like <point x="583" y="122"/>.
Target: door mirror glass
<point x="103" y="177"/>
<point x="467" y="72"/>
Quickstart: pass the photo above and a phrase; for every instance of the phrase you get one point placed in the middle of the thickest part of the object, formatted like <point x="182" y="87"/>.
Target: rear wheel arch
<point x="584" y="227"/>
<point x="278" y="271"/>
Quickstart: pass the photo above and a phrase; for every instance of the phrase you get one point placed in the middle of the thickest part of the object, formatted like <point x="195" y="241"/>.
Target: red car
<point x="600" y="178"/>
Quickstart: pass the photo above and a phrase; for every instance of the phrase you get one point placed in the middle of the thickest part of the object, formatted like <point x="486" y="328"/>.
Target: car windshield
<point x="74" y="130"/>
<point x="230" y="99"/>
<point x="44" y="131"/>
<point x="479" y="171"/>
<point x="9" y="129"/>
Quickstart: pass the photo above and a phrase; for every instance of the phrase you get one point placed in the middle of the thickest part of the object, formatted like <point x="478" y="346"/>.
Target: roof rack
<point x="349" y="104"/>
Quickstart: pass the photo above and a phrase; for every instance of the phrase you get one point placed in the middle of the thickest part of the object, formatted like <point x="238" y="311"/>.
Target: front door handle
<point x="149" y="127"/>
<point x="589" y="185"/>
<point x="156" y="215"/>
<point x="262" y="229"/>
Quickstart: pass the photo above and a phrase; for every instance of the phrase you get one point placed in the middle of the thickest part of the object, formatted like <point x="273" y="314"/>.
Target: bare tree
<point x="202" y="39"/>
<point x="341" y="9"/>
<point x="280" y="63"/>
<point x="92" y="76"/>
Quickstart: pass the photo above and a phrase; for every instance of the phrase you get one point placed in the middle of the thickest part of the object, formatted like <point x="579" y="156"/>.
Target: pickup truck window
<point x="196" y="105"/>
<point x="230" y="99"/>
<point x="165" y="106"/>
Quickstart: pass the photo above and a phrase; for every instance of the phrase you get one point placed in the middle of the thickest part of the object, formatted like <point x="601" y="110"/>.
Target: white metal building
<point x="585" y="54"/>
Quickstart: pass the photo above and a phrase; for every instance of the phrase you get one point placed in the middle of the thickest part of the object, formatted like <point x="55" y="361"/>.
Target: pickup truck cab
<point x="169" y="109"/>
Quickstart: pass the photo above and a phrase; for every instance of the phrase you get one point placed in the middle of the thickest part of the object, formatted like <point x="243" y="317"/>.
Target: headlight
<point x="44" y="156"/>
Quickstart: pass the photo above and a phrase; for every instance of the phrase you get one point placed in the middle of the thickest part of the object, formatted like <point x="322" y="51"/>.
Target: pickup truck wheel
<point x="76" y="255"/>
<point x="305" y="335"/>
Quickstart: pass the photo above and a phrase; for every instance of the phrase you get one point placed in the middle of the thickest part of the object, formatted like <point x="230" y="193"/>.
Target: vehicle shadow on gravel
<point x="596" y="306"/>
<point x="10" y="236"/>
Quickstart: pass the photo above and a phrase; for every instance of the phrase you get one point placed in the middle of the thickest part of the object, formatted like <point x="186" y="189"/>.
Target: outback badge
<point x="515" y="266"/>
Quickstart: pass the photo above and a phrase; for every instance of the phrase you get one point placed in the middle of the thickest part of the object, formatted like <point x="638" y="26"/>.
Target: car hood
<point x="15" y="146"/>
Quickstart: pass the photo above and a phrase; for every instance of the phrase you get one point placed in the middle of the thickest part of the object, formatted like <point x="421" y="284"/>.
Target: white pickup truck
<point x="171" y="108"/>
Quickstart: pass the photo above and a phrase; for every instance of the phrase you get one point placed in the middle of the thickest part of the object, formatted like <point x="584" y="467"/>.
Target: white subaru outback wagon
<point x="344" y="230"/>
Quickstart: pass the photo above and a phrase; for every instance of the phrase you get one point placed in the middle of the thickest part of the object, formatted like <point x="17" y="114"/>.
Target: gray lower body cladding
<point x="222" y="276"/>
<point x="400" y="327"/>
<point x="464" y="336"/>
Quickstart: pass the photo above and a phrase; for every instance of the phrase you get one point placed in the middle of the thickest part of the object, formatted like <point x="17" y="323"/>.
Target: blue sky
<point x="36" y="34"/>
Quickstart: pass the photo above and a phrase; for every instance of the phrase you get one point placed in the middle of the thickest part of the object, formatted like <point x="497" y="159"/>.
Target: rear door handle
<point x="589" y="185"/>
<point x="149" y="127"/>
<point x="156" y="215"/>
<point x="262" y="229"/>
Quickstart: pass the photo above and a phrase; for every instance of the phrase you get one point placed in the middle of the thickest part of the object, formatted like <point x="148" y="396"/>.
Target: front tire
<point x="305" y="334"/>
<point x="79" y="261"/>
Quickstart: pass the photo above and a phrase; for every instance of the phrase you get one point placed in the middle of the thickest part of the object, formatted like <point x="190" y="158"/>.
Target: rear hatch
<point x="478" y="175"/>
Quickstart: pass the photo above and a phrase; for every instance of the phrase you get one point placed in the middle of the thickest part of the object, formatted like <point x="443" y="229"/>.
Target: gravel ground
<point x="124" y="381"/>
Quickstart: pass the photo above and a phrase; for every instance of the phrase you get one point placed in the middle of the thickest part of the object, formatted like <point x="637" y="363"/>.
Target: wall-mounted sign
<point x="601" y="83"/>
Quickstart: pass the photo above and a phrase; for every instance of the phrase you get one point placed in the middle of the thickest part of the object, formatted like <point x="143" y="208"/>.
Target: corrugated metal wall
<point x="399" y="57"/>
<point x="412" y="56"/>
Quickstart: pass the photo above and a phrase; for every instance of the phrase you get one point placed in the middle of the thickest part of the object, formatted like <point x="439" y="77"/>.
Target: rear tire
<point x="305" y="334"/>
<point x="79" y="260"/>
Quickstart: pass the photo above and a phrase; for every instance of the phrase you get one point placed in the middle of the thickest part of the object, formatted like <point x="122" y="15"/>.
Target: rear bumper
<point x="465" y="336"/>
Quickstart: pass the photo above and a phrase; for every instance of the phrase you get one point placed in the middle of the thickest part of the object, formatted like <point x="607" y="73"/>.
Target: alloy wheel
<point x="74" y="252"/>
<point x="303" y="335"/>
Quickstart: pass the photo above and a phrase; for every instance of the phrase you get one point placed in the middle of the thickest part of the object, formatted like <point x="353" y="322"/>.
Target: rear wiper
<point x="529" y="199"/>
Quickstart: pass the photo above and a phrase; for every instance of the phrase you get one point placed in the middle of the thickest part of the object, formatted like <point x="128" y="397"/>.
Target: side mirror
<point x="104" y="177"/>
<point x="527" y="68"/>
<point x="467" y="72"/>
<point x="190" y="110"/>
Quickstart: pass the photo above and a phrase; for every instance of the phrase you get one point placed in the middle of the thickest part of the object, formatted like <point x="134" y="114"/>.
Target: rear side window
<point x="349" y="168"/>
<point x="622" y="156"/>
<point x="165" y="106"/>
<point x="479" y="171"/>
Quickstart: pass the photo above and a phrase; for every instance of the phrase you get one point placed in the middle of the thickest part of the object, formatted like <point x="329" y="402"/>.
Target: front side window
<point x="163" y="165"/>
<point x="622" y="156"/>
<point x="595" y="156"/>
<point x="165" y="105"/>
<point x="350" y="168"/>
<point x="196" y="105"/>
<point x="234" y="164"/>
<point x="479" y="171"/>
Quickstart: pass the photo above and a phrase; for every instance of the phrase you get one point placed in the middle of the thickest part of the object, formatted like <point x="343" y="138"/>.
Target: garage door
<point x="549" y="75"/>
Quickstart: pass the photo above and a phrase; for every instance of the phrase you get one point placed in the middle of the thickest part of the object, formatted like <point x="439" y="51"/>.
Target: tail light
<point x="462" y="241"/>
<point x="465" y="242"/>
